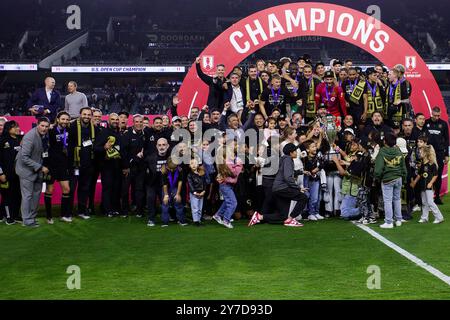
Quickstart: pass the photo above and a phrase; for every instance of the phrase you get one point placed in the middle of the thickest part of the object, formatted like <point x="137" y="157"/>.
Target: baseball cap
<point x="176" y="118"/>
<point x="349" y="130"/>
<point x="329" y="74"/>
<point x="282" y="117"/>
<point x="401" y="144"/>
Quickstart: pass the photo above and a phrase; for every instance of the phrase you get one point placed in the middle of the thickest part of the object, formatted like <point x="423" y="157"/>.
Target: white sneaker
<point x="436" y="221"/>
<point x="423" y="220"/>
<point x="319" y="217"/>
<point x="218" y="219"/>
<point x="387" y="225"/>
<point x="84" y="217"/>
<point x="416" y="208"/>
<point x="227" y="224"/>
<point x="150" y="223"/>
<point x="398" y="223"/>
<point x="312" y="217"/>
<point x="66" y="219"/>
<point x="50" y="221"/>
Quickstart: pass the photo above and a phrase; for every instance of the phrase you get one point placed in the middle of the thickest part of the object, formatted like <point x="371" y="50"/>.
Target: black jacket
<point x="216" y="92"/>
<point x="101" y="141"/>
<point x="132" y="143"/>
<point x="9" y="147"/>
<point x="153" y="165"/>
<point x="437" y="132"/>
<point x="57" y="153"/>
<point x="196" y="182"/>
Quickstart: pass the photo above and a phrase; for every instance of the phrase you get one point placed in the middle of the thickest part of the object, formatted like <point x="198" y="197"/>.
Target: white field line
<point x="435" y="272"/>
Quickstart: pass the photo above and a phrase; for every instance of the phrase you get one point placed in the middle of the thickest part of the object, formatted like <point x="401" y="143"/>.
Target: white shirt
<point x="49" y="94"/>
<point x="236" y="102"/>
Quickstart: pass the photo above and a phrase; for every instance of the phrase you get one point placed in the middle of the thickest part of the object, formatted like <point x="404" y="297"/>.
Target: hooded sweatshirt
<point x="390" y="164"/>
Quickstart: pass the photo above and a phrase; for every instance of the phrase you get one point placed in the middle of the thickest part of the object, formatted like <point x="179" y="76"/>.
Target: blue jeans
<point x="313" y="194"/>
<point x="179" y="208"/>
<point x="348" y="207"/>
<point x="196" y="207"/>
<point x="391" y="198"/>
<point x="229" y="204"/>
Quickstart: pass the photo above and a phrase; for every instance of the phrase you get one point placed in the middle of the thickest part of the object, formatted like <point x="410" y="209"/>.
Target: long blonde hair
<point x="429" y="154"/>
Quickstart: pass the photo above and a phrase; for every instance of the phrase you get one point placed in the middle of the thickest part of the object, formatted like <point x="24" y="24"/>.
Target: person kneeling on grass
<point x="426" y="178"/>
<point x="390" y="168"/>
<point x="285" y="190"/>
<point x="172" y="179"/>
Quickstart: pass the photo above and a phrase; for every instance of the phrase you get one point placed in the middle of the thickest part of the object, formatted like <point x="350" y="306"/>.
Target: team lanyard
<point x="296" y="80"/>
<point x="352" y="85"/>
<point x="64" y="136"/>
<point x="172" y="179"/>
<point x="372" y="89"/>
<point x="275" y="97"/>
<point x="328" y="93"/>
<point x="391" y="91"/>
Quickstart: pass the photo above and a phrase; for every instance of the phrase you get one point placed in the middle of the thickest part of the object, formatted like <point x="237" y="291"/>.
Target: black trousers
<point x="93" y="186"/>
<point x="135" y="180"/>
<point x="153" y="191"/>
<point x="81" y="184"/>
<point x="440" y="161"/>
<point x="111" y="179"/>
<point x="269" y="203"/>
<point x="11" y="199"/>
<point x="285" y="196"/>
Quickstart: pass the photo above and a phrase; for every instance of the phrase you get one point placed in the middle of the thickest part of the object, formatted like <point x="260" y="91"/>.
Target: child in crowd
<point x="312" y="166"/>
<point x="172" y="182"/>
<point x="229" y="169"/>
<point x="426" y="178"/>
<point x="196" y="180"/>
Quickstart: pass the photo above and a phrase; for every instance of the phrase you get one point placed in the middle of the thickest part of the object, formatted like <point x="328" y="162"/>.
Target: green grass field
<point x="124" y="259"/>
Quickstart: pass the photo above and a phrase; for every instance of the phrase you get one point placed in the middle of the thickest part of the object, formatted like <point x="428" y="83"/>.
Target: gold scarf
<point x="374" y="103"/>
<point x="248" y="88"/>
<point x="311" y="109"/>
<point x="357" y="92"/>
<point x="78" y="147"/>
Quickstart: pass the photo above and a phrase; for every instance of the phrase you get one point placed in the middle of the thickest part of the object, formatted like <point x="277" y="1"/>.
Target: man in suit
<point x="45" y="101"/>
<point x="30" y="169"/>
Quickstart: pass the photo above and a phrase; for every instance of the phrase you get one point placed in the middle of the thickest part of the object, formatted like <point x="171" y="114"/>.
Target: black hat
<point x="290" y="147"/>
<point x="329" y="74"/>
<point x="370" y="71"/>
<point x="337" y="61"/>
<point x="282" y="117"/>
<point x="319" y="63"/>
<point x="124" y="113"/>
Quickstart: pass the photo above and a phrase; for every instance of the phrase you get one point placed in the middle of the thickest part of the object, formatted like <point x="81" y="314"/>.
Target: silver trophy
<point x="330" y="128"/>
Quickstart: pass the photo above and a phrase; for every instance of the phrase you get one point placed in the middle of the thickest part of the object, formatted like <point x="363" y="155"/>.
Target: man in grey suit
<point x="30" y="169"/>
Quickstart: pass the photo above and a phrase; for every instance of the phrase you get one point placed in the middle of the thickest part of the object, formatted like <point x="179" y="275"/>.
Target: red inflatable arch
<point x="313" y="19"/>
